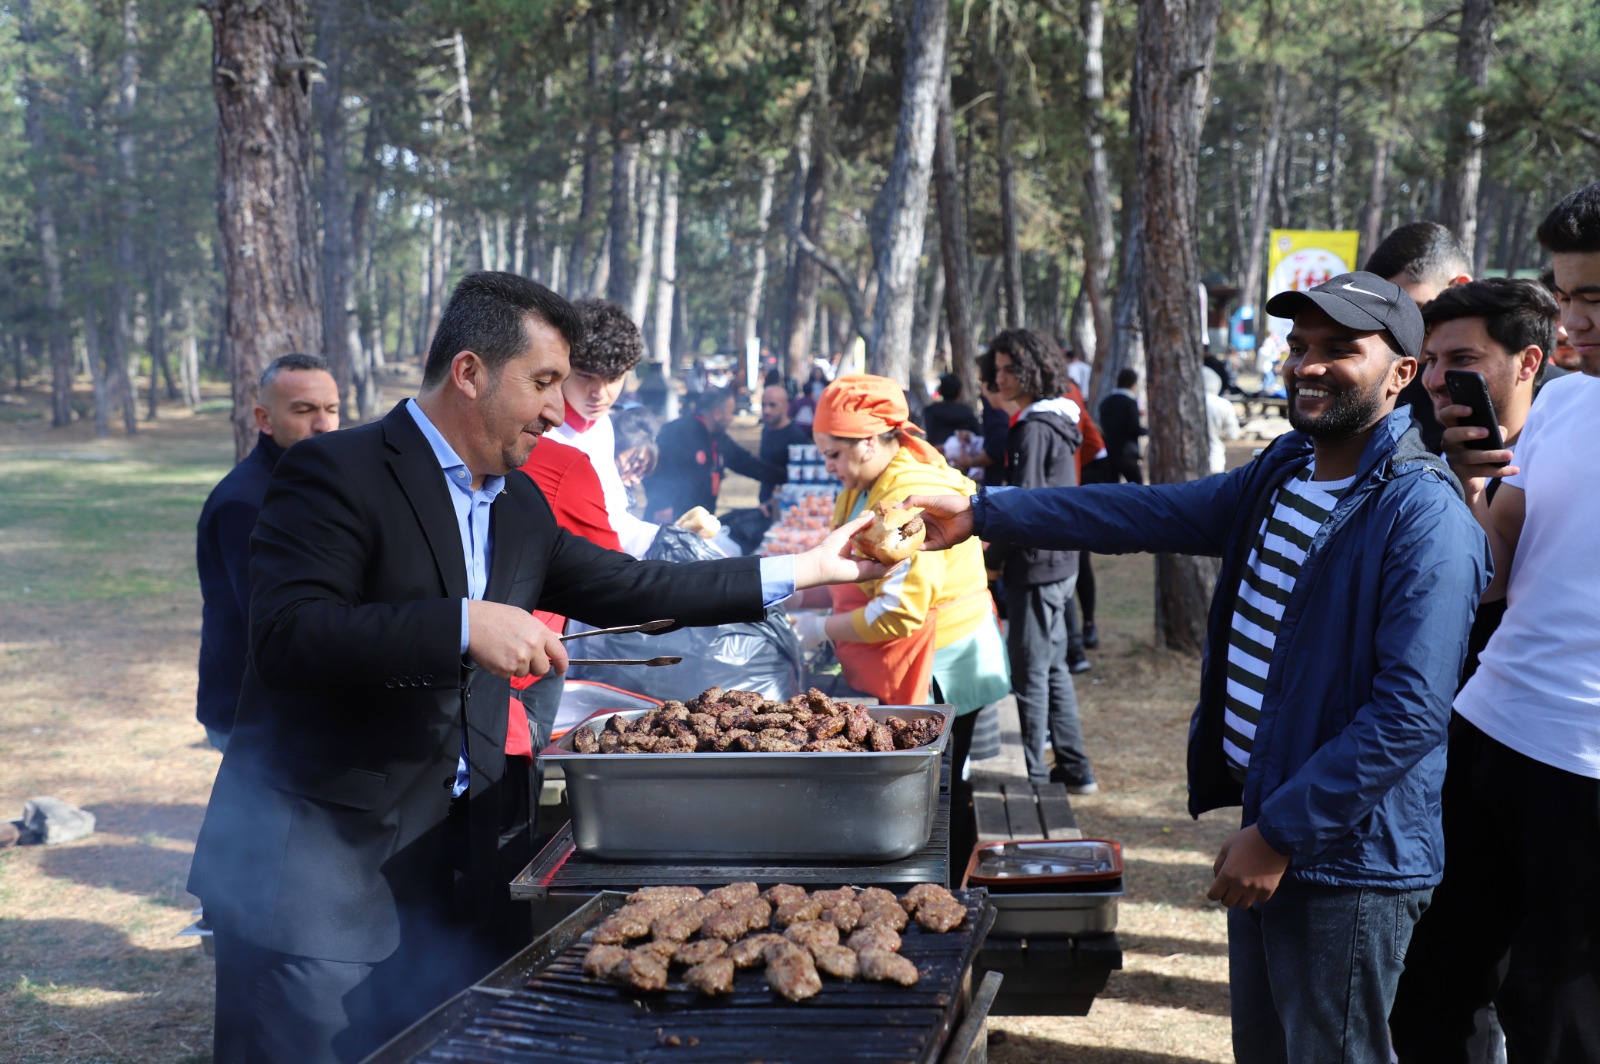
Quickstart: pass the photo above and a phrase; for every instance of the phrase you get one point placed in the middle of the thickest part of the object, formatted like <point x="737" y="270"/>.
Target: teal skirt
<point x="974" y="671"/>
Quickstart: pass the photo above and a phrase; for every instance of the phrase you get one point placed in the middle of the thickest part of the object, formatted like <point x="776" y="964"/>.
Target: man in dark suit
<point x="1121" y="426"/>
<point x="350" y="860"/>
<point x="298" y="398"/>
<point x="695" y="449"/>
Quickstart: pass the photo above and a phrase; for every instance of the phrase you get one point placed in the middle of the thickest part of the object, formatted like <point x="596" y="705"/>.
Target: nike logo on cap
<point x="1348" y="287"/>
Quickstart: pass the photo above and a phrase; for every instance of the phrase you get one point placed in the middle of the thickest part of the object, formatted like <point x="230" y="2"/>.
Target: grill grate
<point x="554" y="1014"/>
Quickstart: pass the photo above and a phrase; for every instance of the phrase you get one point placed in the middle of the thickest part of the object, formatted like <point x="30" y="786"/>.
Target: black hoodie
<point x="1041" y="453"/>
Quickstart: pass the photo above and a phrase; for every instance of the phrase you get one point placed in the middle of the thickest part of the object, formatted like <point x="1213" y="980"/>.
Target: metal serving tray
<point x="747" y="807"/>
<point x="1084" y="913"/>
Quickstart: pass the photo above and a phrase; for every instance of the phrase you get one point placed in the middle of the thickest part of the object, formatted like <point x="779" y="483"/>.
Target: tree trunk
<point x="1080" y="324"/>
<point x="1463" y="168"/>
<point x="438" y="250"/>
<point x="805" y="273"/>
<point x="649" y="222"/>
<point x="189" y="371"/>
<point x="667" y="273"/>
<point x="758" y="266"/>
<point x="1099" y="241"/>
<point x="1255" y="250"/>
<point x="1127" y="348"/>
<point x="120" y="354"/>
<point x="265" y="204"/>
<point x="1172" y="79"/>
<point x="927" y="341"/>
<point x="58" y="339"/>
<point x="338" y="255"/>
<point x="953" y="252"/>
<point x="1377" y="191"/>
<point x="1011" y="253"/>
<point x="589" y="183"/>
<point x="619" y="223"/>
<point x="902" y="205"/>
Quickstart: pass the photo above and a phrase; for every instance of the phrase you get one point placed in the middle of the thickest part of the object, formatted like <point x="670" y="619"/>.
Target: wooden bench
<point x="1045" y="975"/>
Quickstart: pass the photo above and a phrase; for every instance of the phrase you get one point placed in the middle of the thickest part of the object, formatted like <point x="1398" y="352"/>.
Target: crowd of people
<point x="1401" y="687"/>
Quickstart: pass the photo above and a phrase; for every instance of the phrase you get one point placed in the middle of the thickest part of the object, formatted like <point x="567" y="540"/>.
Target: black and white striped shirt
<point x="1299" y="508"/>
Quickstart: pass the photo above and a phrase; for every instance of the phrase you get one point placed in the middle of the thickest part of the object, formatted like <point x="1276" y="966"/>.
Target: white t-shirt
<point x="1537" y="688"/>
<point x="599" y="442"/>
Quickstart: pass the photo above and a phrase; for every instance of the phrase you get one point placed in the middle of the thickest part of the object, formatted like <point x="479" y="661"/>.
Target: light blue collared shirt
<point x="472" y="521"/>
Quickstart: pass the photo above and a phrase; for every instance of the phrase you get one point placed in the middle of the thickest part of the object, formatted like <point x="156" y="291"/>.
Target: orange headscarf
<point x="863" y="405"/>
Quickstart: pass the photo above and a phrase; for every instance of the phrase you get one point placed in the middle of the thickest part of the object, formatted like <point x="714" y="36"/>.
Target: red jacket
<point x="572" y="487"/>
<point x="1093" y="443"/>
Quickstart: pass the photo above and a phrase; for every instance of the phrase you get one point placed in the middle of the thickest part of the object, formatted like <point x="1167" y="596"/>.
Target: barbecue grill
<point x="539" y="1007"/>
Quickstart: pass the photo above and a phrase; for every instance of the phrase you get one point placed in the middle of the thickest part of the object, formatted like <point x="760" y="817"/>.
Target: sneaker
<point x="1078" y="665"/>
<point x="1080" y="786"/>
<point x="1091" y="635"/>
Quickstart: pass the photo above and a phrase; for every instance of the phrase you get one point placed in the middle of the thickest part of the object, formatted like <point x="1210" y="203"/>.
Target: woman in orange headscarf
<point x="929" y="622"/>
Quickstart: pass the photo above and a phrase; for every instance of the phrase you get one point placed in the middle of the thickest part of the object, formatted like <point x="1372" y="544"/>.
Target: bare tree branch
<point x="853" y="296"/>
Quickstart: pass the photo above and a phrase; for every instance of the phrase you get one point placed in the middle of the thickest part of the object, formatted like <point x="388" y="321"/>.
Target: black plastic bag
<point x="762" y="656"/>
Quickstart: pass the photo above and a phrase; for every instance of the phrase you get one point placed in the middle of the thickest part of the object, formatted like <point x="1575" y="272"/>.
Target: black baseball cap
<point x="1362" y="301"/>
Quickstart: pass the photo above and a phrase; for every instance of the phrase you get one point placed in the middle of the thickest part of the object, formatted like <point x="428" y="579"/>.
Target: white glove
<point x="809" y="627"/>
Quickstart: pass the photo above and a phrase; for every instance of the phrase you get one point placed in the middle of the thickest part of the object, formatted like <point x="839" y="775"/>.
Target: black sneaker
<point x="1091" y="635"/>
<point x="1081" y="786"/>
<point x="1079" y="664"/>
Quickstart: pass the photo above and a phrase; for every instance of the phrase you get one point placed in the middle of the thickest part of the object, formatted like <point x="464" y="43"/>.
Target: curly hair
<point x="612" y="343"/>
<point x="1035" y="362"/>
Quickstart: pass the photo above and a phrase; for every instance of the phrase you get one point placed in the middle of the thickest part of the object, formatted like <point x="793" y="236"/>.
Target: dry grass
<point x="99" y="627"/>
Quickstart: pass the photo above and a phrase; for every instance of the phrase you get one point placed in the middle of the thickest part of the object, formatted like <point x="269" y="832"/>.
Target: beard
<point x="1350" y="411"/>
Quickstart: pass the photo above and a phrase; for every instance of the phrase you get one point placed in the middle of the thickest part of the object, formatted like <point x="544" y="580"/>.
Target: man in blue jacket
<point x="297" y="398"/>
<point x="1350" y="572"/>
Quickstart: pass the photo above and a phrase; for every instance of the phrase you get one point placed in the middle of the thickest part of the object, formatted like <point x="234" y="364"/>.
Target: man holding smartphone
<point x="1497" y="332"/>
<point x="1526" y="746"/>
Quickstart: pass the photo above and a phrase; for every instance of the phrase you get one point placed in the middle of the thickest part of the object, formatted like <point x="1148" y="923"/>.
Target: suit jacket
<point x="222" y="557"/>
<point x="331" y="830"/>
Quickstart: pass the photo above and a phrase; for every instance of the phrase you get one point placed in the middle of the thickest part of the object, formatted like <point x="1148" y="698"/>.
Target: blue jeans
<point x="1312" y="972"/>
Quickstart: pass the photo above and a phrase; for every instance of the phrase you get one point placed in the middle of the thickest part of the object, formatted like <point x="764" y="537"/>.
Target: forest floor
<point x="99" y="632"/>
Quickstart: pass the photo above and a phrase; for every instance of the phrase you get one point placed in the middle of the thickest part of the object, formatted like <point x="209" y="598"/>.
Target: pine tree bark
<point x="1011" y="254"/>
<point x="58" y="340"/>
<point x="589" y="183"/>
<point x="1255" y="248"/>
<point x="667" y="272"/>
<point x="338" y="256"/>
<point x="1099" y="246"/>
<point x="120" y="354"/>
<point x="1172" y="80"/>
<point x="953" y="252"/>
<point x="758" y="265"/>
<point x="1463" y="169"/>
<point x="902" y="205"/>
<point x="649" y="222"/>
<point x="805" y="272"/>
<point x="265" y="205"/>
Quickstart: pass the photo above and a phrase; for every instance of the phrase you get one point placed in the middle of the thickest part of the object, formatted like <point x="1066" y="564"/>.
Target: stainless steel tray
<point x="801" y="806"/>
<point x="1086" y="913"/>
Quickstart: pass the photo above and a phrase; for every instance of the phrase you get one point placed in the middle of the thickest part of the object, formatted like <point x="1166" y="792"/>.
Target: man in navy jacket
<point x="1350" y="573"/>
<point x="298" y="398"/>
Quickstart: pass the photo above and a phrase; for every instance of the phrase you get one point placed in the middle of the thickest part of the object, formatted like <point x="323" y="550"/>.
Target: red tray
<point x="1044" y="862"/>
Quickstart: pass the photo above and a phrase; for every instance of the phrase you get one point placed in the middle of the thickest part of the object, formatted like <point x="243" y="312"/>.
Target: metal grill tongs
<point x="648" y="626"/>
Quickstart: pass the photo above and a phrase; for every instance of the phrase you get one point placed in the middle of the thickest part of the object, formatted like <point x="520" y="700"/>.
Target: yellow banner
<point x="1298" y="259"/>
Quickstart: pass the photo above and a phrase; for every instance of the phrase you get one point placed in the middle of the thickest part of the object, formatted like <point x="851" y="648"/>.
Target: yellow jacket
<point x="900" y="602"/>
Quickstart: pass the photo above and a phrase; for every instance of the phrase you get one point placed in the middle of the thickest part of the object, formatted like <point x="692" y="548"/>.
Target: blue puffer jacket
<point x="1349" y="753"/>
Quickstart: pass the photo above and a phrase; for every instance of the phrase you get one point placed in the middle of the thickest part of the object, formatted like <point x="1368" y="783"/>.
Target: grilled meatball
<point x="711" y="977"/>
<point x="881" y="740"/>
<point x="879" y="915"/>
<point x="830" y="746"/>
<point x="830" y="898"/>
<point x="858" y="724"/>
<point x="877" y="896"/>
<point x="772" y="720"/>
<point x="726" y="740"/>
<point x="923" y="892"/>
<point x="881" y="966"/>
<point x="846" y="916"/>
<point x="687" y="744"/>
<point x="836" y="961"/>
<point x="734" y="893"/>
<point x="874" y="938"/>
<point x="610" y="742"/>
<point x="700" y="951"/>
<point x="630" y="921"/>
<point x="813" y="933"/>
<point x="792" y="972"/>
<point x="665" y="948"/>
<point x="779" y="893"/>
<point x="749" y="952"/>
<point x="678" y="925"/>
<point x="672" y="894"/>
<point x="618" y="724"/>
<point x="826" y="727"/>
<point x="584" y="741"/>
<point x="735" y="922"/>
<point x="602" y="960"/>
<point x="939" y="915"/>
<point x="643" y="969"/>
<point x="795" y="912"/>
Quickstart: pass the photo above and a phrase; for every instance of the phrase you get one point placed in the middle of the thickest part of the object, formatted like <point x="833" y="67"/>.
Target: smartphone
<point x="1467" y="388"/>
